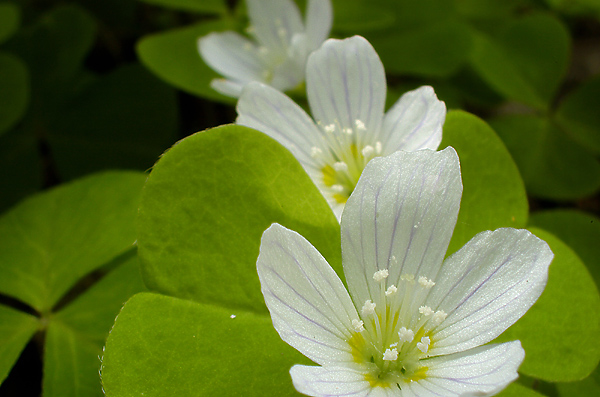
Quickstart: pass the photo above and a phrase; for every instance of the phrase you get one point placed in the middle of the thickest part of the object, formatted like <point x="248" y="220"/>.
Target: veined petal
<point x="309" y="305"/>
<point x="400" y="217"/>
<point x="329" y="381"/>
<point x="345" y="82"/>
<point x="290" y="73"/>
<point x="488" y="285"/>
<point x="414" y="122"/>
<point x="274" y="22"/>
<point x="233" y="56"/>
<point x="483" y="371"/>
<point x="319" y="18"/>
<point x="264" y="108"/>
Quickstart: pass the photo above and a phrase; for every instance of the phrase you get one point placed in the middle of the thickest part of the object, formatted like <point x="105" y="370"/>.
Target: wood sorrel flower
<point x="346" y="89"/>
<point x="412" y="324"/>
<point x="278" y="54"/>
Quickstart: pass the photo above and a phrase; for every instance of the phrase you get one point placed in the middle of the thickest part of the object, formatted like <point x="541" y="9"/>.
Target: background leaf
<point x="10" y="18"/>
<point x="16" y="328"/>
<point x="95" y="218"/>
<point x="204" y="209"/>
<point x="14" y="90"/>
<point x="493" y="192"/>
<point x="552" y="166"/>
<point x="560" y="331"/>
<point x="204" y="6"/>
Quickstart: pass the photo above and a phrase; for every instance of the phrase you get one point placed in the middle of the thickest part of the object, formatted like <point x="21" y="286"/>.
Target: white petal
<point x="414" y="122"/>
<point x="329" y="381"/>
<point x="290" y="73"/>
<point x="319" y="17"/>
<point x="264" y="108"/>
<point x="270" y="18"/>
<point x="233" y="56"/>
<point x="488" y="285"/>
<point x="400" y="217"/>
<point x="483" y="371"/>
<point x="309" y="305"/>
<point x="227" y="87"/>
<point x="345" y="82"/>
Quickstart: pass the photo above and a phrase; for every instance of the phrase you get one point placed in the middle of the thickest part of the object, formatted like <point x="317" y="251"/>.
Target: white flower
<point x="281" y="45"/>
<point x="346" y="89"/>
<point x="425" y="339"/>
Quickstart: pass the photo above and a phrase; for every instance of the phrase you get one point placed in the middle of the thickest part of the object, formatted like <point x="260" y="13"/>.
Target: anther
<point x="438" y="317"/>
<point x="329" y="128"/>
<point x="368" y="307"/>
<point x="378" y="147"/>
<point x="359" y="124"/>
<point x="406" y="335"/>
<point x="315" y="151"/>
<point x="380" y="275"/>
<point x="337" y="188"/>
<point x="390" y="355"/>
<point x="367" y="151"/>
<point x="358" y="325"/>
<point x="426" y="311"/>
<point x="424" y="344"/>
<point x="425" y="282"/>
<point x="348" y="131"/>
<point x="340" y="166"/>
<point x="408" y="278"/>
<point x="391" y="290"/>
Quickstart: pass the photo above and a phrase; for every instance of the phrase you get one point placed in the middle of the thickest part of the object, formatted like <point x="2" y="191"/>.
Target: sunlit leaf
<point x="205" y="206"/>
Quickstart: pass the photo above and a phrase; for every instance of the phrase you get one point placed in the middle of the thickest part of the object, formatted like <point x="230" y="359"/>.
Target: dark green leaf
<point x="552" y="166"/>
<point x="125" y="120"/>
<point x="204" y="209"/>
<point x="579" y="117"/>
<point x="580" y="231"/>
<point x="164" y="346"/>
<point x="51" y="240"/>
<point x="16" y="328"/>
<point x="493" y="192"/>
<point x="189" y="72"/>
<point x="560" y="332"/>
<point x="14" y="90"/>
<point x="10" y="18"/>
<point x="203" y="6"/>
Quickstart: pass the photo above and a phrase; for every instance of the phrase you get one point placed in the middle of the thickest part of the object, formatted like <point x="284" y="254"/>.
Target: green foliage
<point x="9" y="20"/>
<point x="14" y="90"/>
<point x="60" y="239"/>
<point x="224" y="187"/>
<point x="203" y="6"/>
<point x="494" y="195"/>
<point x="566" y="317"/>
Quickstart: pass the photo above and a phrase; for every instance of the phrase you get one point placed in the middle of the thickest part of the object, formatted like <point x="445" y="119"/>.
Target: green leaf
<point x="58" y="236"/>
<point x="578" y="115"/>
<point x="433" y="50"/>
<point x="14" y="90"/>
<point x="203" y="6"/>
<point x="10" y="18"/>
<point x="123" y="120"/>
<point x="493" y="195"/>
<point x="585" y="8"/>
<point x="357" y="16"/>
<point x="76" y="334"/>
<point x="590" y="386"/>
<point x="517" y="390"/>
<point x="580" y="231"/>
<point x="54" y="49"/>
<point x="189" y="72"/>
<point x="205" y="206"/>
<point x="526" y="60"/>
<point x="164" y="346"/>
<point x="488" y="9"/>
<point x="552" y="166"/>
<point x="560" y="332"/>
<point x="16" y="328"/>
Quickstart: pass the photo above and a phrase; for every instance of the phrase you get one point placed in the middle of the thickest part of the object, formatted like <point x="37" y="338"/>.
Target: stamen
<point x="406" y="335"/>
<point x="359" y="124"/>
<point x="340" y="166"/>
<point x="337" y="188"/>
<point x="409" y="278"/>
<point x="378" y="147"/>
<point x="367" y="151"/>
<point x="391" y="290"/>
<point x="368" y="307"/>
<point x="315" y="151"/>
<point x="426" y="311"/>
<point x="329" y="128"/>
<point x="425" y="282"/>
<point x="358" y="325"/>
<point x="380" y="275"/>
<point x="348" y="131"/>
<point x="438" y="317"/>
<point x="390" y="355"/>
<point x="424" y="344"/>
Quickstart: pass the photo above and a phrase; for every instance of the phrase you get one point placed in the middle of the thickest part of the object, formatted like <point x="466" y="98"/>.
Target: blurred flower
<point x="346" y="90"/>
<point x="412" y="324"/>
<point x="281" y="45"/>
